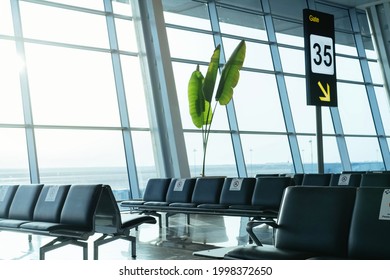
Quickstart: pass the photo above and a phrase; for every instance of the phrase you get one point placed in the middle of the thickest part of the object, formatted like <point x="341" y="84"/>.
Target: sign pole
<point x="320" y="143"/>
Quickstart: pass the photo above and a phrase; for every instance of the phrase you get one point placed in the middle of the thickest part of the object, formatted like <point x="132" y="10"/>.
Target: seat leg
<point x="61" y="242"/>
<point x="104" y="239"/>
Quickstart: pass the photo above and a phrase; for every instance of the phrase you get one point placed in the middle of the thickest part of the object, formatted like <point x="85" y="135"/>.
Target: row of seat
<point x="346" y="179"/>
<point x="215" y="195"/>
<point x="251" y="197"/>
<point x="257" y="198"/>
<point x="326" y="223"/>
<point x="69" y="213"/>
<point x="352" y="179"/>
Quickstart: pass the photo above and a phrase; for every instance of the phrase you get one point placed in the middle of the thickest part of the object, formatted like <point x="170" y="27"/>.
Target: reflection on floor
<point x="179" y="241"/>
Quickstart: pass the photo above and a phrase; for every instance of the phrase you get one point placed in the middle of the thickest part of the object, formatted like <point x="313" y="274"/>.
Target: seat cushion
<point x="23" y="204"/>
<point x="7" y="193"/>
<point x="316" y="219"/>
<point x="180" y="190"/>
<point x="50" y="203"/>
<point x="10" y="223"/>
<point x="80" y="205"/>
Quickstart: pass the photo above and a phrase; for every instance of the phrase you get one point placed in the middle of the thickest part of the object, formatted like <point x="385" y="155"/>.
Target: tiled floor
<point x="179" y="241"/>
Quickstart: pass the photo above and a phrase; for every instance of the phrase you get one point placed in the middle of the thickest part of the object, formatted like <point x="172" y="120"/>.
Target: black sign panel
<point x="320" y="58"/>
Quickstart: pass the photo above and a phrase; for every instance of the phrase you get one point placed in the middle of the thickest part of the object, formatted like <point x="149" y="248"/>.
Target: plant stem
<point x="205" y="134"/>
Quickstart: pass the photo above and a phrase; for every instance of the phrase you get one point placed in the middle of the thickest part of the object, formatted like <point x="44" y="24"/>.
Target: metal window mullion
<point x="340" y="139"/>
<point x="231" y="114"/>
<point x="281" y="83"/>
<point x="383" y="145"/>
<point x="122" y="103"/>
<point x="25" y="91"/>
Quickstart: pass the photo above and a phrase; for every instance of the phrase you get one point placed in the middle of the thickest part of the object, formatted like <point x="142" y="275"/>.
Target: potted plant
<point x="201" y="90"/>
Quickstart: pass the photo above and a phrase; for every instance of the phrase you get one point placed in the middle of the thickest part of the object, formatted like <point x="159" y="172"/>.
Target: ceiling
<point x="357" y="3"/>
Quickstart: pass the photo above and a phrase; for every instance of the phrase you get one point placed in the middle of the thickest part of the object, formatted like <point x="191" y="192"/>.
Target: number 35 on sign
<point x="322" y="55"/>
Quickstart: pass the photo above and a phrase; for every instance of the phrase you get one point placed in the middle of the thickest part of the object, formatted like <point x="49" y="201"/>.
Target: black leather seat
<point x="313" y="221"/>
<point x="267" y="195"/>
<point x="113" y="225"/>
<point x="316" y="179"/>
<point x="77" y="214"/>
<point x="370" y="227"/>
<point x="70" y="213"/>
<point x="50" y="202"/>
<point x="7" y="193"/>
<point x="155" y="191"/>
<point x="349" y="180"/>
<point x="235" y="191"/>
<point x="207" y="190"/>
<point x="375" y="180"/>
<point x="22" y="207"/>
<point x="180" y="190"/>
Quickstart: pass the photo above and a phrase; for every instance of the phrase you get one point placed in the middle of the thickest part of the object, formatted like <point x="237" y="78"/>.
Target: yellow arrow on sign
<point x="326" y="93"/>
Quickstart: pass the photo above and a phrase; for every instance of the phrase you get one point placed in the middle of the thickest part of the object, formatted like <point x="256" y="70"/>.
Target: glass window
<point x="266" y="154"/>
<point x="65" y="26"/>
<point x="190" y="45"/>
<point x="348" y="69"/>
<point x="257" y="55"/>
<point x="241" y="24"/>
<point x="364" y="153"/>
<point x="293" y="60"/>
<point x="82" y="156"/>
<point x="121" y="8"/>
<point x="220" y="159"/>
<point x="71" y="87"/>
<point x="384" y="107"/>
<point x="11" y="109"/>
<point x="341" y="16"/>
<point x="305" y="116"/>
<point x="309" y="154"/>
<point x="126" y="35"/>
<point x="363" y="24"/>
<point x="257" y="103"/>
<point x="332" y="161"/>
<point x="369" y="48"/>
<point x="285" y="9"/>
<point x="355" y="112"/>
<point x="290" y="33"/>
<point x="376" y="72"/>
<point x="14" y="159"/>
<point x="135" y="91"/>
<point x="308" y="150"/>
<point x="6" y="25"/>
<point x="250" y="5"/>
<point x="144" y="158"/>
<point x="186" y="13"/>
<point x="98" y="5"/>
<point x="345" y="44"/>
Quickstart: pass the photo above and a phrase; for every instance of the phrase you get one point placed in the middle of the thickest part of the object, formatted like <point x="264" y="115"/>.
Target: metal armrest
<point x="254" y="223"/>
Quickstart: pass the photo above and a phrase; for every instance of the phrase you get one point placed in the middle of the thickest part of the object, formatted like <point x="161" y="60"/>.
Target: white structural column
<point x="378" y="15"/>
<point x="166" y="126"/>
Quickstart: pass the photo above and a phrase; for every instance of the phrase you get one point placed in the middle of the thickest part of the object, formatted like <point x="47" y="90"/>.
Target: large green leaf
<point x="195" y="98"/>
<point x="211" y="75"/>
<point x="231" y="74"/>
<point x="208" y="113"/>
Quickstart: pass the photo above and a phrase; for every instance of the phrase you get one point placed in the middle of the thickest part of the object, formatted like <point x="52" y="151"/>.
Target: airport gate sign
<point x="321" y="89"/>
